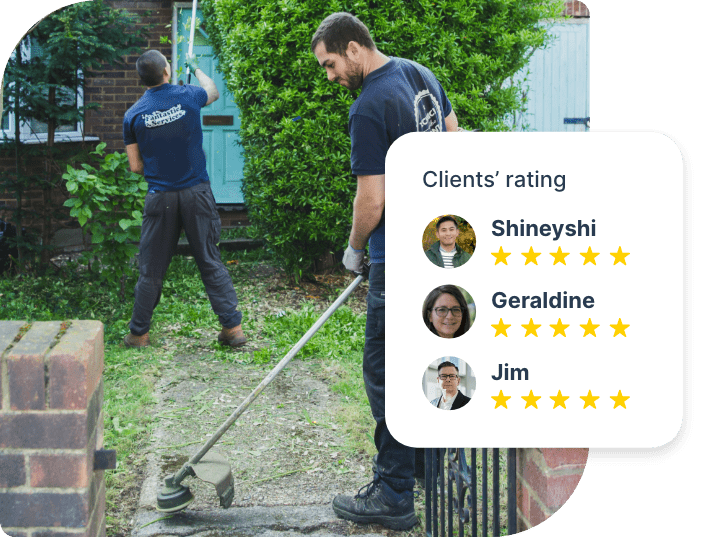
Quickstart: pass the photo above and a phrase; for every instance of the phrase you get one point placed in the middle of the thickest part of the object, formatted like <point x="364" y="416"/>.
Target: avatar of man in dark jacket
<point x="445" y="252"/>
<point x="451" y="398"/>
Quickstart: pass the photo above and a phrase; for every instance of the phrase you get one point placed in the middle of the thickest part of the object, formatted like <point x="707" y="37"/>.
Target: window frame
<point x="27" y="134"/>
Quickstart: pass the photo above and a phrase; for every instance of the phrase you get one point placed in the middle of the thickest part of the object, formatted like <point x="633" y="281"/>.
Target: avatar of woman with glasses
<point x="445" y="312"/>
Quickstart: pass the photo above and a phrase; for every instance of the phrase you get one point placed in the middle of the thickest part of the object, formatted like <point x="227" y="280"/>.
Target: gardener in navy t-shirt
<point x="163" y="135"/>
<point x="397" y="97"/>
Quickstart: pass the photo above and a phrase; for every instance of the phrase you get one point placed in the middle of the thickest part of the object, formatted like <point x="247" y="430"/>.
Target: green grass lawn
<point x="184" y="314"/>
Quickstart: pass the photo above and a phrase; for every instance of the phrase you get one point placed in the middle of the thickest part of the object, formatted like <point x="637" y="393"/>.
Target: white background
<point x="631" y="184"/>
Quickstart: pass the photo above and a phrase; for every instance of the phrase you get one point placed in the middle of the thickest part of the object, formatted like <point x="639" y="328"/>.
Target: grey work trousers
<point x="165" y="215"/>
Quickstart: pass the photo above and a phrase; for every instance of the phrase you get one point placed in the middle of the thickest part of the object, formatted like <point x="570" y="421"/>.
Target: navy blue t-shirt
<point x="399" y="97"/>
<point x="166" y="125"/>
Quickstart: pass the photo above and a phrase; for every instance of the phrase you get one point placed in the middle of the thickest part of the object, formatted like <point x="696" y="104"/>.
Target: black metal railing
<point x="448" y="510"/>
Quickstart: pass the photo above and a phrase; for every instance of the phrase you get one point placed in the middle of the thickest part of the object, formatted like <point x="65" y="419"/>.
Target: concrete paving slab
<point x="249" y="521"/>
<point x="286" y="468"/>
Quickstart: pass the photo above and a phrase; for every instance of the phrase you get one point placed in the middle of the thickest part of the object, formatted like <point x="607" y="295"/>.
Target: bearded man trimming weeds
<point x="163" y="136"/>
<point x="398" y="96"/>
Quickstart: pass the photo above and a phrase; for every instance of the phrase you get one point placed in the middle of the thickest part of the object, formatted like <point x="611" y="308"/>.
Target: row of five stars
<point x="559" y="400"/>
<point x="559" y="328"/>
<point x="559" y="257"/>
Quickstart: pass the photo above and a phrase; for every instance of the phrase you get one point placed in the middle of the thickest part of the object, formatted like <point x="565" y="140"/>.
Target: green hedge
<point x="297" y="177"/>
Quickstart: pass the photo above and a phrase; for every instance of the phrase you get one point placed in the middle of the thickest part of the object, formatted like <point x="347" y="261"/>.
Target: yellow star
<point x="531" y="256"/>
<point x="619" y="399"/>
<point x="501" y="256"/>
<point x="531" y="328"/>
<point x="589" y="400"/>
<point x="619" y="328"/>
<point x="589" y="327"/>
<point x="501" y="328"/>
<point x="501" y="400"/>
<point x="559" y="328"/>
<point x="559" y="400"/>
<point x="620" y="256"/>
<point x="559" y="256"/>
<point x="531" y="399"/>
<point x="589" y="256"/>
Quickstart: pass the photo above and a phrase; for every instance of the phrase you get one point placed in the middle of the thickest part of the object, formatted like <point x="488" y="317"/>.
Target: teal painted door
<point x="559" y="83"/>
<point x="220" y="120"/>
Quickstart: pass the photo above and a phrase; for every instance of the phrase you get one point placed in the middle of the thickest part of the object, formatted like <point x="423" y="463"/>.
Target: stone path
<point x="287" y="458"/>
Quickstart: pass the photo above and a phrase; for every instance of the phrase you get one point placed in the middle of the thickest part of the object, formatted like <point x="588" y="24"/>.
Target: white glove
<point x="353" y="259"/>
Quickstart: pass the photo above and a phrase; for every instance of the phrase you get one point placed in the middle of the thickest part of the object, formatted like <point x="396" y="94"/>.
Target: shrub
<point x="108" y="202"/>
<point x="297" y="177"/>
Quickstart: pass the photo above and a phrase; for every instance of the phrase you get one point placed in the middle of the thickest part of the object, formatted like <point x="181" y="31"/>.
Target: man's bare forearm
<point x="368" y="208"/>
<point x="209" y="86"/>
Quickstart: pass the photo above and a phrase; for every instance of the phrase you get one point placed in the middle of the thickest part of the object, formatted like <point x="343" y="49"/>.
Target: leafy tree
<point x="46" y="75"/>
<point x="297" y="178"/>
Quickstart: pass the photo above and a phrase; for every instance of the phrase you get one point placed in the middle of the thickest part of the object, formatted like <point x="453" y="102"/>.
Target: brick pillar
<point x="547" y="478"/>
<point x="50" y="426"/>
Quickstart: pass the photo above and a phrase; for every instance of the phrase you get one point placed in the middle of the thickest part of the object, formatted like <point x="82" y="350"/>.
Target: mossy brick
<point x="75" y="365"/>
<point x="26" y="381"/>
<point x="40" y="509"/>
<point x="43" y="429"/>
<point x="557" y="458"/>
<point x="36" y="341"/>
<point x="12" y="470"/>
<point x="8" y="332"/>
<point x="552" y="490"/>
<point x="59" y="471"/>
<point x="537" y="516"/>
<point x="26" y="369"/>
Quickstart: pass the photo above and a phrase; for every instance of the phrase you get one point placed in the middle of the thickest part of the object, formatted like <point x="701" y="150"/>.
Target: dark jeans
<point x="165" y="215"/>
<point x="394" y="461"/>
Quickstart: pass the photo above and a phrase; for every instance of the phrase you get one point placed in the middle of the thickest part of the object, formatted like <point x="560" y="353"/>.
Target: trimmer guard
<point x="214" y="468"/>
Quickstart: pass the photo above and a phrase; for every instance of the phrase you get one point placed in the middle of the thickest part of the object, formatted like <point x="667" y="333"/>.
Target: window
<point x="33" y="130"/>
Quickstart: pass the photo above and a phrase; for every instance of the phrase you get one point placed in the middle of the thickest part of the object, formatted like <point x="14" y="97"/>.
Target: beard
<point x="354" y="76"/>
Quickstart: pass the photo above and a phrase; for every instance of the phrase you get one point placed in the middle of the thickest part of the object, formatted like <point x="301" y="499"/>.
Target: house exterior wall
<point x="116" y="89"/>
<point x="576" y="9"/>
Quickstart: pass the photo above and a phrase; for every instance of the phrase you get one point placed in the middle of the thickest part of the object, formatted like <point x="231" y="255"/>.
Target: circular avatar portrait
<point x="449" y="383"/>
<point x="449" y="241"/>
<point x="448" y="311"/>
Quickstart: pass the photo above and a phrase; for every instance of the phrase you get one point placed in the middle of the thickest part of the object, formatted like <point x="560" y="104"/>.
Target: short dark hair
<point x="445" y="218"/>
<point x="337" y="30"/>
<point x="433" y="297"/>
<point x="150" y="67"/>
<point x="445" y="365"/>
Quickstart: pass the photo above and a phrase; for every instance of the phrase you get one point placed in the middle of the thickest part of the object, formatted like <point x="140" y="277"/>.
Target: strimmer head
<point x="172" y="497"/>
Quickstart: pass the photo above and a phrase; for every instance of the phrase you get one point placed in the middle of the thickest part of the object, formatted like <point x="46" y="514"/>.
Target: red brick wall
<point x="576" y="9"/>
<point x="50" y="426"/>
<point x="547" y="478"/>
<point x="118" y="88"/>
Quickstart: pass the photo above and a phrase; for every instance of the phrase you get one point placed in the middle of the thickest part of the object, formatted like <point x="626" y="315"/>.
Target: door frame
<point x="176" y="6"/>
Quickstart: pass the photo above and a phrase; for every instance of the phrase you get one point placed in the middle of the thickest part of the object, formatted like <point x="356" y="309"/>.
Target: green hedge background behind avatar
<point x="297" y="178"/>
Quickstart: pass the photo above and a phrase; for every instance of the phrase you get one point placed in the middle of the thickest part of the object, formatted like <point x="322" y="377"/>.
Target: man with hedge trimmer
<point x="163" y="136"/>
<point x="398" y="96"/>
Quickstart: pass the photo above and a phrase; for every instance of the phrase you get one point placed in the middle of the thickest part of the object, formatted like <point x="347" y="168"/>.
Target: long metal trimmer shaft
<point x="186" y="468"/>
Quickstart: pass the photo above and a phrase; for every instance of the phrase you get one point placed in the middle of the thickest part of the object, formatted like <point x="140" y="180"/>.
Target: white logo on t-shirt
<point x="163" y="117"/>
<point x="427" y="112"/>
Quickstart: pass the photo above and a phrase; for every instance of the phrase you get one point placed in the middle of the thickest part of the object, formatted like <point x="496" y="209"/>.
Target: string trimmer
<point x="211" y="466"/>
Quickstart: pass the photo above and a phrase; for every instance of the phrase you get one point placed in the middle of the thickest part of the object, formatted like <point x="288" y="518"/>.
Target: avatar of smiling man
<point x="448" y="380"/>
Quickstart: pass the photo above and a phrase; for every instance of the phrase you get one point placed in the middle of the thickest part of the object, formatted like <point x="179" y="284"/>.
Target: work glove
<point x="192" y="63"/>
<point x="353" y="259"/>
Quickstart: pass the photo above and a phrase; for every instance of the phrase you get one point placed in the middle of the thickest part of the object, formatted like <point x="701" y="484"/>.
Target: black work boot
<point x="377" y="502"/>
